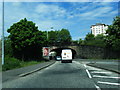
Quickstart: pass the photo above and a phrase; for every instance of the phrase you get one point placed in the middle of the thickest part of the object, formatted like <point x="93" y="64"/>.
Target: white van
<point x="66" y="55"/>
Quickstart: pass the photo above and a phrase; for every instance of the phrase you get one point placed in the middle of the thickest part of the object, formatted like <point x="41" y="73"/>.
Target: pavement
<point x="110" y="66"/>
<point x="16" y="73"/>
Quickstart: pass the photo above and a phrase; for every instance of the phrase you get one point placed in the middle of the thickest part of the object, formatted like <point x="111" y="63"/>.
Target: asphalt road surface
<point x="67" y="75"/>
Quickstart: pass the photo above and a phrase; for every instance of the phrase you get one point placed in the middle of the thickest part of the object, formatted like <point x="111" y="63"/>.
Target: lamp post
<point x="3" y="35"/>
<point x="47" y="35"/>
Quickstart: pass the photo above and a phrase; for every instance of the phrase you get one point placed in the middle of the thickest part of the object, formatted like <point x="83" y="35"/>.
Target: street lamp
<point x="3" y="35"/>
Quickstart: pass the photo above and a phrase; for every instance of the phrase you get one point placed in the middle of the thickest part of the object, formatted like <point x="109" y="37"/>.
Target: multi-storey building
<point x="99" y="28"/>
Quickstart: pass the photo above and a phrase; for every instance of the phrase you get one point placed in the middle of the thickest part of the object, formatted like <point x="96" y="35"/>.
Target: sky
<point x="77" y="17"/>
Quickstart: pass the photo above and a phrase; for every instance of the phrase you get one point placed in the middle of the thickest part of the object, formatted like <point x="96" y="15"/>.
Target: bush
<point x="10" y="63"/>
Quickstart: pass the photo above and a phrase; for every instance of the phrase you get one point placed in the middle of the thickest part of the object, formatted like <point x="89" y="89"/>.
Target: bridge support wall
<point x="92" y="52"/>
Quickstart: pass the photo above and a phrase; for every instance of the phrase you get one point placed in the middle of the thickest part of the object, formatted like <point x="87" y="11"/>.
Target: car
<point x="58" y="58"/>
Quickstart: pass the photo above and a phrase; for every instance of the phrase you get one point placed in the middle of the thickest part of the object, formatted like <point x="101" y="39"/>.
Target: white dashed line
<point x="108" y="83"/>
<point x="88" y="73"/>
<point x="105" y="77"/>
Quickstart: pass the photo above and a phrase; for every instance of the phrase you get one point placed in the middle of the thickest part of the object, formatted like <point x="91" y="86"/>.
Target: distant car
<point x="58" y="58"/>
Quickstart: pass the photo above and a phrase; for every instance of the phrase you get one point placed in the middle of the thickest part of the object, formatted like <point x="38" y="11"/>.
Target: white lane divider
<point x="108" y="83"/>
<point x="105" y="77"/>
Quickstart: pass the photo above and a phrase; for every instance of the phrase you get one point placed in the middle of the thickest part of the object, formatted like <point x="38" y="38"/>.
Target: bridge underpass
<point x="58" y="52"/>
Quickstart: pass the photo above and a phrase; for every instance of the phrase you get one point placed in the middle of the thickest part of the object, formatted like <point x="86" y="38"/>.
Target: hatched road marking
<point x="106" y="77"/>
<point x="108" y="83"/>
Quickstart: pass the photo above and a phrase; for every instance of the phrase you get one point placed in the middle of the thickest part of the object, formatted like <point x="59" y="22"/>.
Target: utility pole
<point x="3" y="35"/>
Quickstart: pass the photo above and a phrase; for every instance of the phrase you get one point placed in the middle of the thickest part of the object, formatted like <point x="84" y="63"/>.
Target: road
<point x="67" y="75"/>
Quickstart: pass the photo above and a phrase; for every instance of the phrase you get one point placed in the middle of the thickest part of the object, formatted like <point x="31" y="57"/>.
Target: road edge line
<point x="25" y="74"/>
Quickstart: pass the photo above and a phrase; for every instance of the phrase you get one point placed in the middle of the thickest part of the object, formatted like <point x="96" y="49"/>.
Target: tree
<point x="74" y="42"/>
<point x="89" y="39"/>
<point x="26" y="39"/>
<point x="81" y="42"/>
<point x="64" y="37"/>
<point x="53" y="37"/>
<point x="100" y="40"/>
<point x="113" y="34"/>
<point x="8" y="48"/>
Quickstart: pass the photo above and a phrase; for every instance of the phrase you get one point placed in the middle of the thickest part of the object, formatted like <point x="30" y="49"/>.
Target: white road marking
<point x="106" y="77"/>
<point x="98" y="88"/>
<point x="93" y="68"/>
<point x="108" y="83"/>
<point x="101" y="72"/>
<point x="88" y="74"/>
<point x="76" y="62"/>
<point x="85" y="65"/>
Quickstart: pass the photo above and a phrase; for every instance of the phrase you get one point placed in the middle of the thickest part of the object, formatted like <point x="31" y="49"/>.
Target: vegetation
<point x="98" y="40"/>
<point x="110" y="40"/>
<point x="26" y="40"/>
<point x="23" y="46"/>
<point x="60" y="37"/>
<point x="13" y="63"/>
<point x="113" y="37"/>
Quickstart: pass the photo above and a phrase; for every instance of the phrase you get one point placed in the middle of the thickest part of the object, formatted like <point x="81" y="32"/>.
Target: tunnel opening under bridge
<point x="58" y="52"/>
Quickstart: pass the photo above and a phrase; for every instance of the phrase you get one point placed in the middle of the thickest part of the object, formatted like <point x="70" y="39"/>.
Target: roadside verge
<point x="24" y="71"/>
<point x="25" y="74"/>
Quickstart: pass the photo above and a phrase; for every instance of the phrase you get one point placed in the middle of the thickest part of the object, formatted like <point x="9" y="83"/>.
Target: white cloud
<point x="98" y="12"/>
<point x="53" y="15"/>
<point x="50" y="10"/>
<point x="104" y="0"/>
<point x="16" y="4"/>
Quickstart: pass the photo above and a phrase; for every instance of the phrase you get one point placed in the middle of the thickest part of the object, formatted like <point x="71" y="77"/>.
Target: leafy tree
<point x="8" y="48"/>
<point x="89" y="36"/>
<point x="53" y="37"/>
<point x="60" y="37"/>
<point x="89" y="39"/>
<point x="75" y="42"/>
<point x="26" y="39"/>
<point x="100" y="40"/>
<point x="113" y="34"/>
<point x="81" y="42"/>
<point x="64" y="37"/>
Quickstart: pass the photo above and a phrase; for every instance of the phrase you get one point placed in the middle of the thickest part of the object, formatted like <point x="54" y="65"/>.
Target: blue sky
<point x="77" y="17"/>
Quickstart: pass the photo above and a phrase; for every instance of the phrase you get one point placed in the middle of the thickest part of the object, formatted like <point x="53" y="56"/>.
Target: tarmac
<point x="21" y="72"/>
<point x="107" y="66"/>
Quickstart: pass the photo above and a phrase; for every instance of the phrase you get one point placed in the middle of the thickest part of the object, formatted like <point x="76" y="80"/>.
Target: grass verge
<point x="13" y="63"/>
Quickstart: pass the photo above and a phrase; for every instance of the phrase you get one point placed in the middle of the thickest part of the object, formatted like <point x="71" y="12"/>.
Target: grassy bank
<point x="13" y="63"/>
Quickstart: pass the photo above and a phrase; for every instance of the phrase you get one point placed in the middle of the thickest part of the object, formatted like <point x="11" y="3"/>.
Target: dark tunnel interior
<point x="59" y="51"/>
